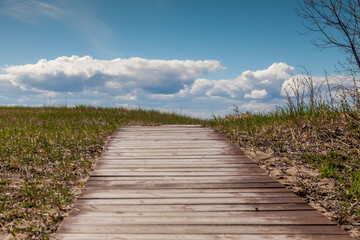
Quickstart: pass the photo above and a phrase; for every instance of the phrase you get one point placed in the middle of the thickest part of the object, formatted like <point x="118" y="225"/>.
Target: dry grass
<point x="323" y="140"/>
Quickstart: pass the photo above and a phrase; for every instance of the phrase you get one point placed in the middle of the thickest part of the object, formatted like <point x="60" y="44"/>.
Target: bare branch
<point x="337" y="21"/>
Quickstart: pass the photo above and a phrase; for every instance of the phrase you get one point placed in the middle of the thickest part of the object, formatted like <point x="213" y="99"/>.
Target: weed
<point x="328" y="170"/>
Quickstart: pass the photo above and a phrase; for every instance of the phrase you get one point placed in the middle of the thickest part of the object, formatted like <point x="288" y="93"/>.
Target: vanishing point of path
<point x="187" y="182"/>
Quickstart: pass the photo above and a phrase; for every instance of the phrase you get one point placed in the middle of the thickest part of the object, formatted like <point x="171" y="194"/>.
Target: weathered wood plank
<point x="205" y="229"/>
<point x="179" y="169"/>
<point x="135" y="144"/>
<point x="184" y="173"/>
<point x="240" y="178"/>
<point x="253" y="200"/>
<point x="155" y="172"/>
<point x="113" y="193"/>
<point x="217" y="157"/>
<point x="199" y="185"/>
<point x="195" y="207"/>
<point x="195" y="190"/>
<point x="199" y="237"/>
<point x="187" y="182"/>
<point x="166" y="160"/>
<point x="174" y="220"/>
<point x="190" y="151"/>
<point x="171" y="154"/>
<point x="118" y="184"/>
<point x="121" y="165"/>
<point x="268" y="214"/>
<point x="164" y="141"/>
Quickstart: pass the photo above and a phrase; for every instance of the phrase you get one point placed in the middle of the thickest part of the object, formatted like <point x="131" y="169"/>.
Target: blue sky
<point x="200" y="56"/>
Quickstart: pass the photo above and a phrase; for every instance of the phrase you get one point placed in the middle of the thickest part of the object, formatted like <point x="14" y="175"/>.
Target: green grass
<point x="46" y="153"/>
<point x="326" y="138"/>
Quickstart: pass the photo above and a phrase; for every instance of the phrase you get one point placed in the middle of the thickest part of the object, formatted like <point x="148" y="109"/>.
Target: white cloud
<point x="246" y="85"/>
<point x="78" y="74"/>
<point x="169" y="85"/>
<point x="257" y="94"/>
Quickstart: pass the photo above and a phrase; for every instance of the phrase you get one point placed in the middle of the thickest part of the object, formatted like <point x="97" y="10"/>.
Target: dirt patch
<point x="305" y="181"/>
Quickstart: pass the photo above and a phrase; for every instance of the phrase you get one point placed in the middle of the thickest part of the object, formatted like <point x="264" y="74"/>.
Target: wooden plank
<point x="187" y="182"/>
<point x="115" y="179"/>
<point x="178" y="169"/>
<point x="120" y="194"/>
<point x="183" y="159"/>
<point x="195" y="207"/>
<point x="171" y="154"/>
<point x="135" y="144"/>
<point x="140" y="142"/>
<point x="119" y="164"/>
<point x="194" y="214"/>
<point x="241" y="171"/>
<point x="224" y="150"/>
<point x="176" y="160"/>
<point x="239" y="158"/>
<point x="184" y="162"/>
<point x="190" y="133"/>
<point x="198" y="237"/>
<point x="118" y="184"/>
<point x="162" y="173"/>
<point x="163" y="133"/>
<point x="172" y="136"/>
<point x="253" y="200"/>
<point x="221" y="190"/>
<point x="171" y="126"/>
<point x="181" y="186"/>
<point x="201" y="220"/>
<point x="279" y="207"/>
<point x="199" y="186"/>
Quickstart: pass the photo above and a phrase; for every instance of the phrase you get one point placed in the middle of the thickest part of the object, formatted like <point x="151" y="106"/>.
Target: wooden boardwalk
<point x="187" y="182"/>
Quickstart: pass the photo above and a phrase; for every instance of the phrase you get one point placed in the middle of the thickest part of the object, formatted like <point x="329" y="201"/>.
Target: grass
<point x="46" y="154"/>
<point x="326" y="138"/>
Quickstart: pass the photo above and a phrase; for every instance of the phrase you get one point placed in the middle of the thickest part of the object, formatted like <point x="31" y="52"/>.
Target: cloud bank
<point x="133" y="82"/>
<point x="79" y="74"/>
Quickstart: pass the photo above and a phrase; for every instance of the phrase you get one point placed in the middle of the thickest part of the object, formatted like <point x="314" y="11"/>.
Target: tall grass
<point x="314" y="128"/>
<point x="46" y="153"/>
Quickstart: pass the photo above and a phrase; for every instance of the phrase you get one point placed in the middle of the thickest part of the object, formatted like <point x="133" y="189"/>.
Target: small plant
<point x="328" y="170"/>
<point x="354" y="186"/>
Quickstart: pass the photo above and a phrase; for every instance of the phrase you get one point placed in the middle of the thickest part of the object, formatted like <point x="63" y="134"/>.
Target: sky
<point x="197" y="57"/>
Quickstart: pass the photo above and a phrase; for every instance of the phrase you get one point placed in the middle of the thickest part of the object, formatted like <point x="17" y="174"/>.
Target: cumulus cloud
<point x="257" y="94"/>
<point x="77" y="74"/>
<point x="255" y="85"/>
<point x="169" y="85"/>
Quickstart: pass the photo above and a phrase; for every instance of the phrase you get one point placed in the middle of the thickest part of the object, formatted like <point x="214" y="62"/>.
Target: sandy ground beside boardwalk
<point x="305" y="181"/>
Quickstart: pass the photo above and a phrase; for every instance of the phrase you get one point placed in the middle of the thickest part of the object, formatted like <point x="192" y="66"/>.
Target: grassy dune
<point x="46" y="155"/>
<point x="323" y="140"/>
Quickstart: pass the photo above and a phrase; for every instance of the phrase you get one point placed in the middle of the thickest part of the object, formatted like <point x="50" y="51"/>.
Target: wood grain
<point x="187" y="182"/>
